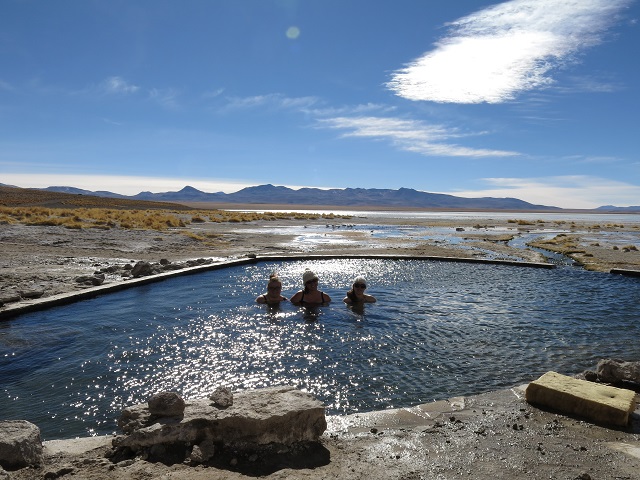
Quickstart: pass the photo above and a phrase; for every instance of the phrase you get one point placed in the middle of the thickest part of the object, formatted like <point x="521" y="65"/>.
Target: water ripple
<point x="439" y="329"/>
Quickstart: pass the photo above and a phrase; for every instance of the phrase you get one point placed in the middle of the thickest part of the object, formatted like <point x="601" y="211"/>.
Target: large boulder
<point x="142" y="269"/>
<point x="222" y="397"/>
<point x="166" y="404"/>
<point x="593" y="401"/>
<point x="279" y="415"/>
<point x="20" y="444"/>
<point x="91" y="280"/>
<point x="616" y="371"/>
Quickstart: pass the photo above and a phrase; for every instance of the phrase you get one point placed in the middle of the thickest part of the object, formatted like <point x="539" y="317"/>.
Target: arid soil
<point x="495" y="435"/>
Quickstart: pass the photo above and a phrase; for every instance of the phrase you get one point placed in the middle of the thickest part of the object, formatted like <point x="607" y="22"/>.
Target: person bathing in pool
<point x="310" y="295"/>
<point x="273" y="295"/>
<point x="356" y="295"/>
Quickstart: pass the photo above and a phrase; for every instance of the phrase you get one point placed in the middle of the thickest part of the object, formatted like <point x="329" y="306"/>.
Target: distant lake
<point x="603" y="218"/>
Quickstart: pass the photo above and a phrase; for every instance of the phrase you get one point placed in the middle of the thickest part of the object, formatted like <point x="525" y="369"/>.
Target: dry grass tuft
<point x="523" y="222"/>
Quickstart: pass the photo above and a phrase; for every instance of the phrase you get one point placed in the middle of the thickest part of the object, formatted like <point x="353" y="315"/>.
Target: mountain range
<point x="348" y="197"/>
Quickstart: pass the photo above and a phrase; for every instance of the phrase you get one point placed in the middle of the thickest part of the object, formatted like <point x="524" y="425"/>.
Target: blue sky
<point x="533" y="99"/>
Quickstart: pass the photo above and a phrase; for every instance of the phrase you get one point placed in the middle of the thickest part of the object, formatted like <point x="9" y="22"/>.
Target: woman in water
<point x="273" y="296"/>
<point x="310" y="295"/>
<point x="356" y="294"/>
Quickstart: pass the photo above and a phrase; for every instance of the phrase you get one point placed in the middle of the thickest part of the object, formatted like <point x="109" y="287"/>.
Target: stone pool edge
<point x="33" y="305"/>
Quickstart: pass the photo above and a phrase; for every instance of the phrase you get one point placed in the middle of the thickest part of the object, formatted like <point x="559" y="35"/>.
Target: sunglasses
<point x="315" y="280"/>
<point x="359" y="285"/>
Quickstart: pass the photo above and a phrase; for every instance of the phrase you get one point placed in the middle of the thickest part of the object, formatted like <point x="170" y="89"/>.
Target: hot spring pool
<point x="439" y="329"/>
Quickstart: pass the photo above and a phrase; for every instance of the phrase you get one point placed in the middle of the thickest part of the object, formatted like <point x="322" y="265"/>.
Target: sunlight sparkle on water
<point x="439" y="329"/>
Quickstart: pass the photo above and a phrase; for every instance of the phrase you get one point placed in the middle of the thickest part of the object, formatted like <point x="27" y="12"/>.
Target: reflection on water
<point x="604" y="218"/>
<point x="438" y="329"/>
<point x="309" y="237"/>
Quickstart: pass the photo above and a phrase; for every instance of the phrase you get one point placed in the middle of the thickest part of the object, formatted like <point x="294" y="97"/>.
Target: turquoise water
<point x="439" y="329"/>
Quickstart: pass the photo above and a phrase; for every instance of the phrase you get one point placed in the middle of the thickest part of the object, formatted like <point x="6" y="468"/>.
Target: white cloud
<point x="352" y="110"/>
<point x="273" y="100"/>
<point x="576" y="191"/>
<point x="118" y="85"/>
<point x="213" y="93"/>
<point x="167" y="97"/>
<point x="499" y="52"/>
<point x="409" y="135"/>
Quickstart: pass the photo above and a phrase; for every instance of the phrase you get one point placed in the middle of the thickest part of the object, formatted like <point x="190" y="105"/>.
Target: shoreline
<point x="494" y="434"/>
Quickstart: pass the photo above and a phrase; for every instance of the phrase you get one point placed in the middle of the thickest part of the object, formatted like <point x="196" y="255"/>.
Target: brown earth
<point x="494" y="435"/>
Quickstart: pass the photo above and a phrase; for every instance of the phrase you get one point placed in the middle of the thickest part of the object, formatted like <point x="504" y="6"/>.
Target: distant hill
<point x="348" y="197"/>
<point x="612" y="209"/>
<point x="79" y="191"/>
<point x="34" y="197"/>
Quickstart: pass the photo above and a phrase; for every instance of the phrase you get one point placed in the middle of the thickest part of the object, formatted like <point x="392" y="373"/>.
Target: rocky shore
<point x="492" y="435"/>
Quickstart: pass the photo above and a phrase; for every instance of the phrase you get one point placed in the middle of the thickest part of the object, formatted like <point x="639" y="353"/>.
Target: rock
<point x="32" y="293"/>
<point x="166" y="404"/>
<point x="615" y="371"/>
<point x="596" y="402"/>
<point x="199" y="261"/>
<point x="20" y="444"/>
<point x="9" y="297"/>
<point x="142" y="269"/>
<point x="164" y="262"/>
<point x="60" y="472"/>
<point x="92" y="280"/>
<point x="110" y="269"/>
<point x="173" y="266"/>
<point x="222" y="397"/>
<point x="279" y="415"/>
<point x="203" y="452"/>
<point x="134" y="418"/>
